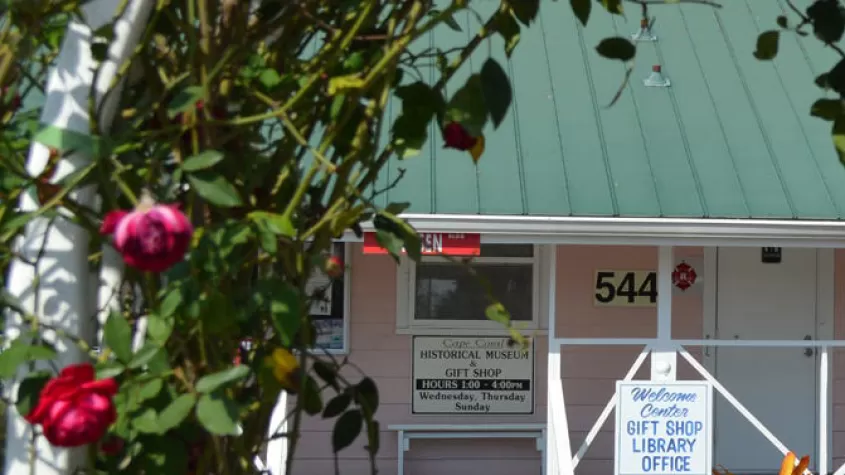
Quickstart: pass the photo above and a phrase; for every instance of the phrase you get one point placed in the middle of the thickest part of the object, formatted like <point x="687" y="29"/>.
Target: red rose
<point x="456" y="136"/>
<point x="74" y="409"/>
<point x="112" y="446"/>
<point x="152" y="238"/>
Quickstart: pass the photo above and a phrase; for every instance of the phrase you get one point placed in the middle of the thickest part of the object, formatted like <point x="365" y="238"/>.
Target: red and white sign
<point x="684" y="276"/>
<point x="451" y="244"/>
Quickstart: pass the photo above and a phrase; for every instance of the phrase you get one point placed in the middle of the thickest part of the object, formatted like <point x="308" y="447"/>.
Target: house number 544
<point x="618" y="288"/>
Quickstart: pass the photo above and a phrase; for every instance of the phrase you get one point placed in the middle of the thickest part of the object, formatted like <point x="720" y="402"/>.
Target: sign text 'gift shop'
<point x="474" y="375"/>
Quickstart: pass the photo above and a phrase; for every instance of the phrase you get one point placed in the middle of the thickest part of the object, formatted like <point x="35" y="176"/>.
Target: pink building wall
<point x="589" y="373"/>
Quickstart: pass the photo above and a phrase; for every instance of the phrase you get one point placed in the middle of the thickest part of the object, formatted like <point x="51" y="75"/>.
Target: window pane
<point x="449" y="292"/>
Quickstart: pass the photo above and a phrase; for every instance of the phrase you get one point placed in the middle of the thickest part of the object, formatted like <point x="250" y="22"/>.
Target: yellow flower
<point x="285" y="368"/>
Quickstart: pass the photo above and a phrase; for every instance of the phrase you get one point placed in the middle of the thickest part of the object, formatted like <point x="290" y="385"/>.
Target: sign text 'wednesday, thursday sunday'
<point x="474" y="375"/>
<point x="663" y="428"/>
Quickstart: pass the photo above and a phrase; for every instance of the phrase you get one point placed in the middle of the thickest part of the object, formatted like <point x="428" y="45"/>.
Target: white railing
<point x="558" y="444"/>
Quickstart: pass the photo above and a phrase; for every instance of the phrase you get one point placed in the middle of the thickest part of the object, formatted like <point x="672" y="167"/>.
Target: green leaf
<point x="582" y="8"/>
<point x="118" y="336"/>
<point x="354" y="62"/>
<point x="617" y="48"/>
<point x="99" y="51"/>
<point x="218" y="414"/>
<point x="161" y="454"/>
<point x="398" y="227"/>
<point x="366" y="394"/>
<point x="507" y="26"/>
<point x="19" y="352"/>
<point x="767" y="45"/>
<point x="497" y="90"/>
<point x="215" y="188"/>
<point x="176" y="412"/>
<point x="346" y="429"/>
<point x="214" y="381"/>
<point x="525" y="10"/>
<point x="66" y="141"/>
<point x="30" y="390"/>
<point x="420" y="103"/>
<point x="467" y="106"/>
<point x="312" y="401"/>
<point x="278" y="224"/>
<point x="838" y="133"/>
<point x="498" y="313"/>
<point x="159" y="328"/>
<point x="409" y="135"/>
<point x="186" y="99"/>
<point x="337" y="405"/>
<point x="827" y="109"/>
<point x="146" y="422"/>
<point x="285" y="310"/>
<point x="171" y="301"/>
<point x="613" y="6"/>
<point x="327" y="372"/>
<point x="109" y="369"/>
<point x="373" y="435"/>
<point x="451" y="23"/>
<point x="150" y="389"/>
<point x="269" y="78"/>
<point x="206" y="159"/>
<point x="822" y="81"/>
<point x="144" y="355"/>
<point x="782" y="21"/>
<point x="397" y="208"/>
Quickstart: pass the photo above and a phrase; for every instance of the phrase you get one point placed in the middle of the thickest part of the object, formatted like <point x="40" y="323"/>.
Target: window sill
<point x="463" y="331"/>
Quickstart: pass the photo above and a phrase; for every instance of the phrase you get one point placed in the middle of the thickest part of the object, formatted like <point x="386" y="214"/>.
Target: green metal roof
<point x="731" y="138"/>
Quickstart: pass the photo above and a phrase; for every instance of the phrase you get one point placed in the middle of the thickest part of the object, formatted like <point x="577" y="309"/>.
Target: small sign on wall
<point x="663" y="428"/>
<point x="625" y="288"/>
<point x="471" y="375"/>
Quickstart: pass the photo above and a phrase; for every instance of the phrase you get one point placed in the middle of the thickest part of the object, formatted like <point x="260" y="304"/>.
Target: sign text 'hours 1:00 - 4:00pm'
<point x="479" y="375"/>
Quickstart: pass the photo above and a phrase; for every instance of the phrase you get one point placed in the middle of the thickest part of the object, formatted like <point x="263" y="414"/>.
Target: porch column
<point x="64" y="244"/>
<point x="558" y="453"/>
<point x="664" y="357"/>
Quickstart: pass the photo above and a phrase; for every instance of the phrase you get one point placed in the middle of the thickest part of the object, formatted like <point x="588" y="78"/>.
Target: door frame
<point x="825" y="319"/>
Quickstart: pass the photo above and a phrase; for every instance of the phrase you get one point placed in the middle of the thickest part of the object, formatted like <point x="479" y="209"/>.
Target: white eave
<point x="636" y="231"/>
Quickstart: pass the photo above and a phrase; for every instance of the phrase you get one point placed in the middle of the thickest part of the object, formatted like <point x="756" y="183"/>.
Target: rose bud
<point x="456" y="136"/>
<point x="333" y="267"/>
<point x="75" y="409"/>
<point x="153" y="237"/>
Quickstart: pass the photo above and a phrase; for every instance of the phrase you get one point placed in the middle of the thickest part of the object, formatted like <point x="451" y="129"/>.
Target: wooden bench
<point x="406" y="432"/>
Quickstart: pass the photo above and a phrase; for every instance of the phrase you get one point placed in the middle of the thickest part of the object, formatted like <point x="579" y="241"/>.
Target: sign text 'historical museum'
<point x="472" y="375"/>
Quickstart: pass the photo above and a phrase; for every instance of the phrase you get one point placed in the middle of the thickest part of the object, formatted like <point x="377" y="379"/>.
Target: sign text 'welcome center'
<point x="663" y="428"/>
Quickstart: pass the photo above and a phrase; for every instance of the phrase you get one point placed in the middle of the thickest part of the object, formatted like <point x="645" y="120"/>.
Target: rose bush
<point x="255" y="134"/>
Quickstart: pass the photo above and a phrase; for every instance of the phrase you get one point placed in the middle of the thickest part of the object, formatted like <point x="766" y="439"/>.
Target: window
<point x="330" y="310"/>
<point x="438" y="293"/>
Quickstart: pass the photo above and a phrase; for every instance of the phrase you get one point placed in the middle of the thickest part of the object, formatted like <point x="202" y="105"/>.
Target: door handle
<point x="706" y="348"/>
<point x="809" y="351"/>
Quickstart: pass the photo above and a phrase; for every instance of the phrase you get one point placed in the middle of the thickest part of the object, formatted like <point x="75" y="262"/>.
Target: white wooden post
<point x="664" y="357"/>
<point x="62" y="296"/>
<point x="558" y="451"/>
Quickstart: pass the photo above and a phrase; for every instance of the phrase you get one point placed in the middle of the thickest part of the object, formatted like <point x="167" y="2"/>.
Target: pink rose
<point x="152" y="238"/>
<point x="74" y="409"/>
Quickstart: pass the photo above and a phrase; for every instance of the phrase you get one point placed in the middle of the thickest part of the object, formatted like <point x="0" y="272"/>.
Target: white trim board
<point x="633" y="231"/>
